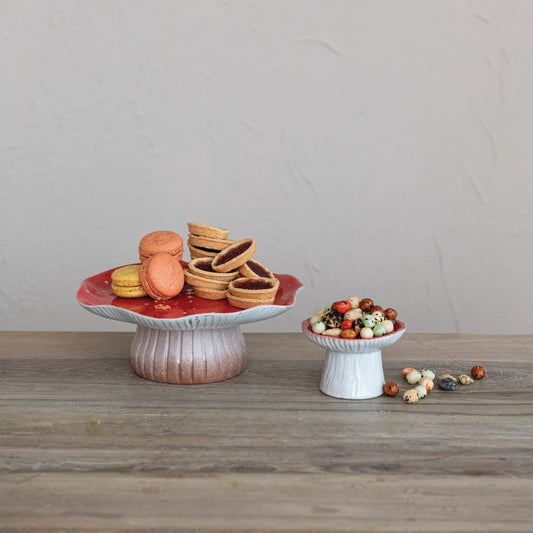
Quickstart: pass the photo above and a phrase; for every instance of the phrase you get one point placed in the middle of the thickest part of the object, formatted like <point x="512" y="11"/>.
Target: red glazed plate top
<point x="96" y="291"/>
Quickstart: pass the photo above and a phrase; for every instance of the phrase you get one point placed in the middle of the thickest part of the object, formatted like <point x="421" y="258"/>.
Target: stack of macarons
<point x="160" y="274"/>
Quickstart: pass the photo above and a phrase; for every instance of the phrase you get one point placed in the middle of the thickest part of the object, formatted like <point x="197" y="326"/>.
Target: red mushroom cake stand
<point x="186" y="339"/>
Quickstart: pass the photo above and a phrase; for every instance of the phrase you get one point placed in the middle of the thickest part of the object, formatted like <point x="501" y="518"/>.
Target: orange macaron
<point x="161" y="241"/>
<point x="162" y="276"/>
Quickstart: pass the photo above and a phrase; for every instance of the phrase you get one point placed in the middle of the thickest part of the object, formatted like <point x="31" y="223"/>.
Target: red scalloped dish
<point x="96" y="291"/>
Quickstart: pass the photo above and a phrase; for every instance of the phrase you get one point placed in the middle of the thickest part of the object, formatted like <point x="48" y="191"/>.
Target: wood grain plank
<point x="86" y="444"/>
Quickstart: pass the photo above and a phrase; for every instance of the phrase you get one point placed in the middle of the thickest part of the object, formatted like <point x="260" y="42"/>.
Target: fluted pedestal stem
<point x="188" y="357"/>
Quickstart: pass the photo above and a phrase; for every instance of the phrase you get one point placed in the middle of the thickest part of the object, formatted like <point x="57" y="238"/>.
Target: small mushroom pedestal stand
<point x="353" y="368"/>
<point x="187" y="339"/>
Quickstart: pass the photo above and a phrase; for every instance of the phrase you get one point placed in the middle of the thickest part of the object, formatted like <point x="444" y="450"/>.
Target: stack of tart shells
<point x="206" y="241"/>
<point x="222" y="268"/>
<point x="206" y="282"/>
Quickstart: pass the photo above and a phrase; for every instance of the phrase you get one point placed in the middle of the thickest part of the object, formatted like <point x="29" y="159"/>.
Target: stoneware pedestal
<point x="353" y="368"/>
<point x="187" y="339"/>
<point x="197" y="356"/>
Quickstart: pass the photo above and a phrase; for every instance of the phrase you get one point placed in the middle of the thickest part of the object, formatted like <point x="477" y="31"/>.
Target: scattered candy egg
<point x="447" y="376"/>
<point x="318" y="327"/>
<point x="366" y="333"/>
<point x="426" y="382"/>
<point x="410" y="396"/>
<point x="478" y="372"/>
<point x="389" y="326"/>
<point x="332" y="332"/>
<point x="314" y="319"/>
<point x="421" y="391"/>
<point x="406" y="371"/>
<point x="368" y="321"/>
<point x="413" y="377"/>
<point x="447" y="384"/>
<point x="379" y="330"/>
<point x="391" y="389"/>
<point x="465" y="379"/>
<point x="354" y="302"/>
<point x="366" y="304"/>
<point x="426" y="373"/>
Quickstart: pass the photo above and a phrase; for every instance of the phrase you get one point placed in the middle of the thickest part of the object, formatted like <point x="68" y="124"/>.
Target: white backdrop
<point x="374" y="148"/>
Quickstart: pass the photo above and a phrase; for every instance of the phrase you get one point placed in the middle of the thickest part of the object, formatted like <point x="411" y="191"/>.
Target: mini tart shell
<point x="194" y="268"/>
<point x="246" y="303"/>
<point x="207" y="231"/>
<point x="220" y="265"/>
<point x="206" y="283"/>
<point x="207" y="242"/>
<point x="247" y="270"/>
<point x="209" y="294"/>
<point x="252" y="293"/>
<point x="197" y="253"/>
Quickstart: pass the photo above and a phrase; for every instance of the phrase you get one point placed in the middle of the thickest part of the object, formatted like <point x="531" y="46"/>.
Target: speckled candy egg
<point x="354" y="315"/>
<point x="426" y="373"/>
<point x="333" y="319"/>
<point x="366" y="333"/>
<point x="406" y="371"/>
<point x="478" y="372"/>
<point x="379" y="330"/>
<point x="389" y="326"/>
<point x="426" y="382"/>
<point x="318" y="327"/>
<point x="421" y="391"/>
<point x="314" y="319"/>
<point x="366" y="304"/>
<point x="413" y="377"/>
<point x="410" y="396"/>
<point x="377" y="315"/>
<point x="354" y="302"/>
<point x="348" y="334"/>
<point x="465" y="379"/>
<point x="447" y="384"/>
<point x="391" y="389"/>
<point x="333" y="332"/>
<point x="368" y="321"/>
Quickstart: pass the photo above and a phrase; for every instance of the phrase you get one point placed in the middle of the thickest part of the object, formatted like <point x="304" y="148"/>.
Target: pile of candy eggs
<point x="423" y="382"/>
<point x="354" y="318"/>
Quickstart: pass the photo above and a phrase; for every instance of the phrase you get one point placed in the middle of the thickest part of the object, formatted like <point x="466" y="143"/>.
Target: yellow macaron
<point x="126" y="282"/>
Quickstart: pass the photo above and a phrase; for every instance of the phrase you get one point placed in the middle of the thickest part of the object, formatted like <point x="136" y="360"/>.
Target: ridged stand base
<point x="188" y="357"/>
<point x="353" y="376"/>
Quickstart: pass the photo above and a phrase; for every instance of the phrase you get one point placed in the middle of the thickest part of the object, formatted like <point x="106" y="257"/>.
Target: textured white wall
<point x="376" y="148"/>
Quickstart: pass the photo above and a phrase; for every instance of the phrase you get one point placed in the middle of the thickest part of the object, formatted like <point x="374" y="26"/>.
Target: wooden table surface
<point x="86" y="444"/>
